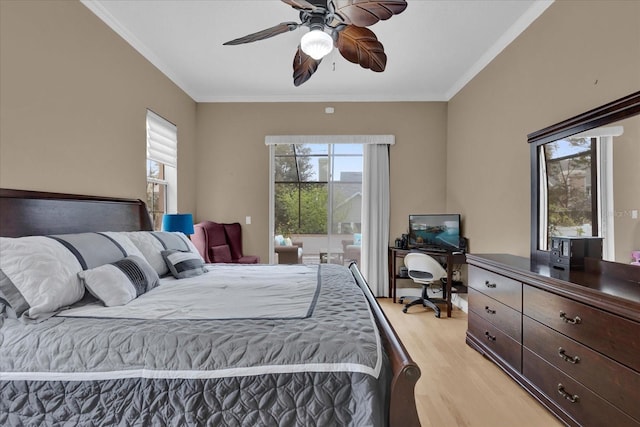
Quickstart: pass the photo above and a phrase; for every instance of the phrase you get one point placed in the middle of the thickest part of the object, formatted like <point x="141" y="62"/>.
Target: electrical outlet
<point x="634" y="214"/>
<point x="247" y="220"/>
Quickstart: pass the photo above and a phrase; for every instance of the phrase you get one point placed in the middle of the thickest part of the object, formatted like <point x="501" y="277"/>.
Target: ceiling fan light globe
<point x="316" y="44"/>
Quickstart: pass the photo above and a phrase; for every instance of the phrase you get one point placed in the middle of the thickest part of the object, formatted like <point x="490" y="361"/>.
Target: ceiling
<point x="434" y="48"/>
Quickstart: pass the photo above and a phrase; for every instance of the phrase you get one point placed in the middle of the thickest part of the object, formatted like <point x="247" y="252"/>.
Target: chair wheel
<point x="404" y="310"/>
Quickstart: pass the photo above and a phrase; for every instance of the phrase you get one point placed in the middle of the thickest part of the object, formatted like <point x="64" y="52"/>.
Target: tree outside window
<point x="302" y="190"/>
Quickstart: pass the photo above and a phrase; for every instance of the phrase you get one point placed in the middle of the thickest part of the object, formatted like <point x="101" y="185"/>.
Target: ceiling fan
<point x="339" y="23"/>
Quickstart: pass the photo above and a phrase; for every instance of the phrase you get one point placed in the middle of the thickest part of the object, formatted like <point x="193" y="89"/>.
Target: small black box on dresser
<point x="568" y="253"/>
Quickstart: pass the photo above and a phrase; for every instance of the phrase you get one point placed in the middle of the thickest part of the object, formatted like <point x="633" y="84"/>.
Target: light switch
<point x="634" y="214"/>
<point x="247" y="220"/>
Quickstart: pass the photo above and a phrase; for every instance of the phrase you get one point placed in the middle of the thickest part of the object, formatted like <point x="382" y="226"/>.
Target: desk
<point x="450" y="258"/>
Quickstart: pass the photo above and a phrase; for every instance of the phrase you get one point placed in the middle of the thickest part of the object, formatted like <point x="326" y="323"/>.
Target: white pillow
<point x="38" y="275"/>
<point x="152" y="243"/>
<point x="119" y="282"/>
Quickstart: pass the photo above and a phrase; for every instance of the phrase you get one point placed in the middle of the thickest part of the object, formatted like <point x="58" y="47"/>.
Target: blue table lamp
<point x="178" y="222"/>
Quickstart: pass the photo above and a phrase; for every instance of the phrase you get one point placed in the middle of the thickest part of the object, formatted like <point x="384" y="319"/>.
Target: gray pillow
<point x="183" y="264"/>
<point x="121" y="281"/>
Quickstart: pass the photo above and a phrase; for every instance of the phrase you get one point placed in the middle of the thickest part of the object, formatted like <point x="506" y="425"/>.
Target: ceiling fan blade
<point x="281" y="28"/>
<point x="361" y="46"/>
<point x="303" y="67"/>
<point x="300" y="4"/>
<point x="364" y="13"/>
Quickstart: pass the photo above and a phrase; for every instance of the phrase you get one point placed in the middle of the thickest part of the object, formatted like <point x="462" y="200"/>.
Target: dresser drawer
<point x="505" y="290"/>
<point x="502" y="316"/>
<point x="611" y="335"/>
<point x="584" y="406"/>
<point x="611" y="380"/>
<point x="496" y="341"/>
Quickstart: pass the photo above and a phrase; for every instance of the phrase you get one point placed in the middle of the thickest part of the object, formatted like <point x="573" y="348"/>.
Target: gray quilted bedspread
<point x="324" y="370"/>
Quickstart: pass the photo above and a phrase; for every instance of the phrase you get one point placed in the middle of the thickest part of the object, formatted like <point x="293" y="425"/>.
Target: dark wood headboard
<point x="32" y="213"/>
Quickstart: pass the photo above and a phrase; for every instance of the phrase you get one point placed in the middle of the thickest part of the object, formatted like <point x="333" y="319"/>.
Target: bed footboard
<point x="402" y="402"/>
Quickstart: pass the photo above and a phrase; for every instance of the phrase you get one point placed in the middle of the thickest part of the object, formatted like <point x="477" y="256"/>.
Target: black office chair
<point x="426" y="271"/>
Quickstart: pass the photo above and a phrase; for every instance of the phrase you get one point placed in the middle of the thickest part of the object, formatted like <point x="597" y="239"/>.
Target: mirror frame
<point x="617" y="110"/>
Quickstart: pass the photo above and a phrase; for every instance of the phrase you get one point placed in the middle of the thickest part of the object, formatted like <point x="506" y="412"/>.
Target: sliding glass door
<point x="316" y="201"/>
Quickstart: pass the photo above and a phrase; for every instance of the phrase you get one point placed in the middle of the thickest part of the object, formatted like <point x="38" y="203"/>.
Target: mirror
<point x="585" y="174"/>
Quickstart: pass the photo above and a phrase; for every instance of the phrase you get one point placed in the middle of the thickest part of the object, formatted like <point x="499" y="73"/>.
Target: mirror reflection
<point x="589" y="185"/>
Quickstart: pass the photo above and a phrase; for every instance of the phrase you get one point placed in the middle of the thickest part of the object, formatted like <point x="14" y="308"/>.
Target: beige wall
<point x="233" y="161"/>
<point x="73" y="100"/>
<point x="576" y="56"/>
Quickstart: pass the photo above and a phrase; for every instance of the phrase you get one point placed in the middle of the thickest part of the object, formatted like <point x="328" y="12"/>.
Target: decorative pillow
<point x="38" y="276"/>
<point x="279" y="240"/>
<point x="221" y="253"/>
<point x="357" y="239"/>
<point x="288" y="241"/>
<point x="96" y="249"/>
<point x="119" y="282"/>
<point x="183" y="264"/>
<point x="152" y="243"/>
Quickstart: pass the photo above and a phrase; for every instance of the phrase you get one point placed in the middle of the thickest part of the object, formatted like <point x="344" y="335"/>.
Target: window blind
<point x="162" y="140"/>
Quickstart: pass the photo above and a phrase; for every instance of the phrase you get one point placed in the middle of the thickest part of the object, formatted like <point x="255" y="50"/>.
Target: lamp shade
<point x="178" y="222"/>
<point x="316" y="44"/>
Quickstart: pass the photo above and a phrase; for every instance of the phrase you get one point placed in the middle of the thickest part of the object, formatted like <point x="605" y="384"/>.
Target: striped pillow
<point x="121" y="281"/>
<point x="152" y="243"/>
<point x="96" y="249"/>
<point x="183" y="264"/>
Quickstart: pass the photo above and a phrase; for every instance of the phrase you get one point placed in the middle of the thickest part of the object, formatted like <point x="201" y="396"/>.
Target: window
<point x="162" y="147"/>
<point x="317" y="196"/>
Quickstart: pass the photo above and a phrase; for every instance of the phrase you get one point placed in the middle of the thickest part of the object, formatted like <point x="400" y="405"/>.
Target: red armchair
<point x="221" y="243"/>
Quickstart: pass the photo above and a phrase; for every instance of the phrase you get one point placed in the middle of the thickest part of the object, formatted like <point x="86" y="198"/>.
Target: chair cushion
<point x="215" y="233"/>
<point x="248" y="259"/>
<point x="221" y="253"/>
<point x="422" y="275"/>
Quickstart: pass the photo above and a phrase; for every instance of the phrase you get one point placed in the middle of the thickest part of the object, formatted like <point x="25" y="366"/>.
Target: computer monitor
<point x="436" y="230"/>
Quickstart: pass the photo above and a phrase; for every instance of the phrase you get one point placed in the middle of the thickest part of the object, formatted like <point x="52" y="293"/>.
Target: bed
<point x="192" y="344"/>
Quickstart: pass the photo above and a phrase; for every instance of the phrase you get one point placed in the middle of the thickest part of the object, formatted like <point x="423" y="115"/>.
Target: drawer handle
<point x="489" y="284"/>
<point x="566" y="357"/>
<point x="573" y="398"/>
<point x="489" y="336"/>
<point x="573" y="321"/>
<point x="488" y="310"/>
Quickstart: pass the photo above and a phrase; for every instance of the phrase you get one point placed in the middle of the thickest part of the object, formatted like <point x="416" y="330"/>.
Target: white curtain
<point x="375" y="218"/>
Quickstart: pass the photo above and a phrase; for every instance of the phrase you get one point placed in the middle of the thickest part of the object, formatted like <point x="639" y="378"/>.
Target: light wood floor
<point x="458" y="386"/>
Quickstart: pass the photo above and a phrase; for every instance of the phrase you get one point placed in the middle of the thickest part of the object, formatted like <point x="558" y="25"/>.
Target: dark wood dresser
<point x="570" y="338"/>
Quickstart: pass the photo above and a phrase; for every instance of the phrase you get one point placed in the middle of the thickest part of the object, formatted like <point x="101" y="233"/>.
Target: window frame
<point x="162" y="150"/>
